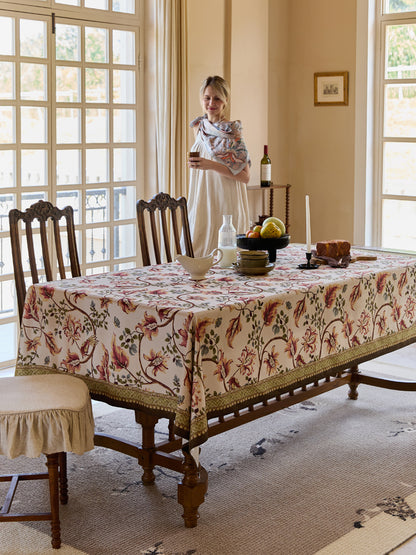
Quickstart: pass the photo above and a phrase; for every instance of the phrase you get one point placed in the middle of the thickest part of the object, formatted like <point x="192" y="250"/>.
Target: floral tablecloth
<point x="156" y="338"/>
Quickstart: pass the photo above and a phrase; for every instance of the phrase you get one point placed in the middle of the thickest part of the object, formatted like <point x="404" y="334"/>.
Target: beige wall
<point x="270" y="49"/>
<point x="321" y="138"/>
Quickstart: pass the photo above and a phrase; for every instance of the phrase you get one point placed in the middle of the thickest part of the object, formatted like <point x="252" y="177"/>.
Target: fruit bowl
<point x="270" y="245"/>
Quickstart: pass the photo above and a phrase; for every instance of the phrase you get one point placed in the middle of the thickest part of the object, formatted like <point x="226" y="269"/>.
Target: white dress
<point x="210" y="196"/>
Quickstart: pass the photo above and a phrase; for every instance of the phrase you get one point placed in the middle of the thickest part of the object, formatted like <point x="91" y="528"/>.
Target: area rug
<point x="329" y="476"/>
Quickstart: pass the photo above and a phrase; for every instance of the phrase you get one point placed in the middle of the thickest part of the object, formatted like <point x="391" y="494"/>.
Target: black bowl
<point x="270" y="245"/>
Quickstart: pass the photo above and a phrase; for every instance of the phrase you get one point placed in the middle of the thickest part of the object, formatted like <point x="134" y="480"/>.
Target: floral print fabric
<point x="193" y="349"/>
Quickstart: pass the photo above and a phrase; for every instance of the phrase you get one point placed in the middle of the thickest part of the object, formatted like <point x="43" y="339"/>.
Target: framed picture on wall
<point x="331" y="88"/>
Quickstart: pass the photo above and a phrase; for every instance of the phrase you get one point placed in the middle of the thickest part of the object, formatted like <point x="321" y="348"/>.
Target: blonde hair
<point x="220" y="86"/>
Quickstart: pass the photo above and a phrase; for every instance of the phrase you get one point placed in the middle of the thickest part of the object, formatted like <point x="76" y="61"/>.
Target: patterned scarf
<point x="224" y="142"/>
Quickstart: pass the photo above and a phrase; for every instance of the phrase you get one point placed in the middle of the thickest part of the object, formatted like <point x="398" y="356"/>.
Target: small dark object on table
<point x="308" y="265"/>
<point x="270" y="245"/>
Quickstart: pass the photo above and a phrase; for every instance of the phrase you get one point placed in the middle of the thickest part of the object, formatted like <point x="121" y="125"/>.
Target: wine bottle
<point x="266" y="169"/>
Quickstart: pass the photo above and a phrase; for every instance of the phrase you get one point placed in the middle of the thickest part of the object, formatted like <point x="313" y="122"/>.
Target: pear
<point x="276" y="221"/>
<point x="270" y="231"/>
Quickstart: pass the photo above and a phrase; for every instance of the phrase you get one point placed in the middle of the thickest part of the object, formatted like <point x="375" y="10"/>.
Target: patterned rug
<point x="328" y="476"/>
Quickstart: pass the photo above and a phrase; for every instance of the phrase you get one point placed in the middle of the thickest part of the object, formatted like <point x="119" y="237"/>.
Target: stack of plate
<point x="253" y="262"/>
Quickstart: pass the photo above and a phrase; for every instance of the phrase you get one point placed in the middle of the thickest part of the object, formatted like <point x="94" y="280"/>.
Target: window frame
<point x="85" y="17"/>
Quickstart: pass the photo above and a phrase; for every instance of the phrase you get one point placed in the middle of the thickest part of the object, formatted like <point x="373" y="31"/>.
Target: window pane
<point x="399" y="230"/>
<point x="97" y="241"/>
<point x="68" y="167"/>
<point x="7" y="88"/>
<point x="69" y="2"/>
<point x="125" y="6"/>
<point x="7" y="202"/>
<point x="70" y="198"/>
<point x="124" y="203"/>
<point x="400" y="101"/>
<point x="7" y="124"/>
<point x="33" y="124"/>
<point x="96" y="125"/>
<point x="97" y="165"/>
<point x="399" y="175"/>
<point x="68" y="84"/>
<point x="124" y="126"/>
<point x="68" y="125"/>
<point x="33" y="82"/>
<point x="124" y="266"/>
<point x="124" y="86"/>
<point x="34" y="168"/>
<point x="8" y="345"/>
<point x="6" y="36"/>
<point x="6" y="264"/>
<point x="30" y="198"/>
<point x="401" y="52"/>
<point x="7" y="294"/>
<point x="123" y="47"/>
<point x="96" y="85"/>
<point x="97" y="270"/>
<point x="124" y="164"/>
<point x="68" y="42"/>
<point x="7" y="168"/>
<point x="96" y="206"/>
<point x="97" y="4"/>
<point x="397" y="6"/>
<point x="32" y="38"/>
<point x="124" y="240"/>
<point x="96" y="45"/>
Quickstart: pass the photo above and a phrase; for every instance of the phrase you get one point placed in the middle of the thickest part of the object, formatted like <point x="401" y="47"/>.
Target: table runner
<point x="155" y="337"/>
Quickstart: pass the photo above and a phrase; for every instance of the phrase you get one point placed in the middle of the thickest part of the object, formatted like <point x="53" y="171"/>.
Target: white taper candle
<point x="308" y="225"/>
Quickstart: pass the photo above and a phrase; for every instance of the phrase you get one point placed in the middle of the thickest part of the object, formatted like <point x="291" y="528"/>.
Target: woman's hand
<point x="198" y="163"/>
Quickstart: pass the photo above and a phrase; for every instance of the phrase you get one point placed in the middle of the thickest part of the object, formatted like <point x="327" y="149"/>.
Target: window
<point x="395" y="171"/>
<point x="69" y="115"/>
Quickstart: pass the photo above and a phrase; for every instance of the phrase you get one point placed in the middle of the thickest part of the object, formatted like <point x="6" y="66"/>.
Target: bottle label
<point x="266" y="172"/>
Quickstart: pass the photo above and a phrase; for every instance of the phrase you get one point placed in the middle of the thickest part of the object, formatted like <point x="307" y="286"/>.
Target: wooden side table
<point x="271" y="189"/>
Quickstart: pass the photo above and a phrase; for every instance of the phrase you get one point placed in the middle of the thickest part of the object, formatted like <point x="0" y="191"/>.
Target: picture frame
<point x="331" y="88"/>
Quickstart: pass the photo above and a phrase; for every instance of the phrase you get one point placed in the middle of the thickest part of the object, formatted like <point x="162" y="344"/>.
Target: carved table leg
<point x="148" y="423"/>
<point x="191" y="490"/>
<point x="354" y="381"/>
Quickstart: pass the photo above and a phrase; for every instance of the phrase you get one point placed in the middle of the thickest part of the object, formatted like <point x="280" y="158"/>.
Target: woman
<point x="220" y="173"/>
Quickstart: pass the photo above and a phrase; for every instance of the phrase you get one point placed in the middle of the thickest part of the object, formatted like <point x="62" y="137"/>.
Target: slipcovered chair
<point x="46" y="414"/>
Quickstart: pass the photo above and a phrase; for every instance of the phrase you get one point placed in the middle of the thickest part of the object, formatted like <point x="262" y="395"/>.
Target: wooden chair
<point x="162" y="202"/>
<point x="48" y="414"/>
<point x="42" y="211"/>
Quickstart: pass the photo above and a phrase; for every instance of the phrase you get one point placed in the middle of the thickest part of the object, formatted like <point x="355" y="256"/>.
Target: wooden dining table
<point x="213" y="354"/>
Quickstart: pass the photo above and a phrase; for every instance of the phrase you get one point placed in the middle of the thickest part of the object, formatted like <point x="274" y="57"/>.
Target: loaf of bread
<point x="333" y="249"/>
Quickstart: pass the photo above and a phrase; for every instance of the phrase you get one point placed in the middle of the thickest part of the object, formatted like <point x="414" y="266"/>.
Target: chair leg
<point x="63" y="481"/>
<point x="53" y="472"/>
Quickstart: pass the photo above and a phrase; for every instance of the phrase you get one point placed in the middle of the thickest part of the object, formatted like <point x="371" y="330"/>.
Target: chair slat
<point x="58" y="247"/>
<point x="165" y="234"/>
<point x="31" y="252"/>
<point x="45" y="251"/>
<point x="156" y="247"/>
<point x="176" y="234"/>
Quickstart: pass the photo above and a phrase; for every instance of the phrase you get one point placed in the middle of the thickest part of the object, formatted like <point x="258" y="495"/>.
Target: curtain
<point x="171" y="96"/>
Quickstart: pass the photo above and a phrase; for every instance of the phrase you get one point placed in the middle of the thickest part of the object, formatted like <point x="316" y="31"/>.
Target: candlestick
<point x="308" y="265"/>
<point x="308" y="225"/>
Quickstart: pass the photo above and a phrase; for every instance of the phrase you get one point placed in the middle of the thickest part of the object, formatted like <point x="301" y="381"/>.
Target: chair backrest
<point x="160" y="204"/>
<point x="41" y="211"/>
